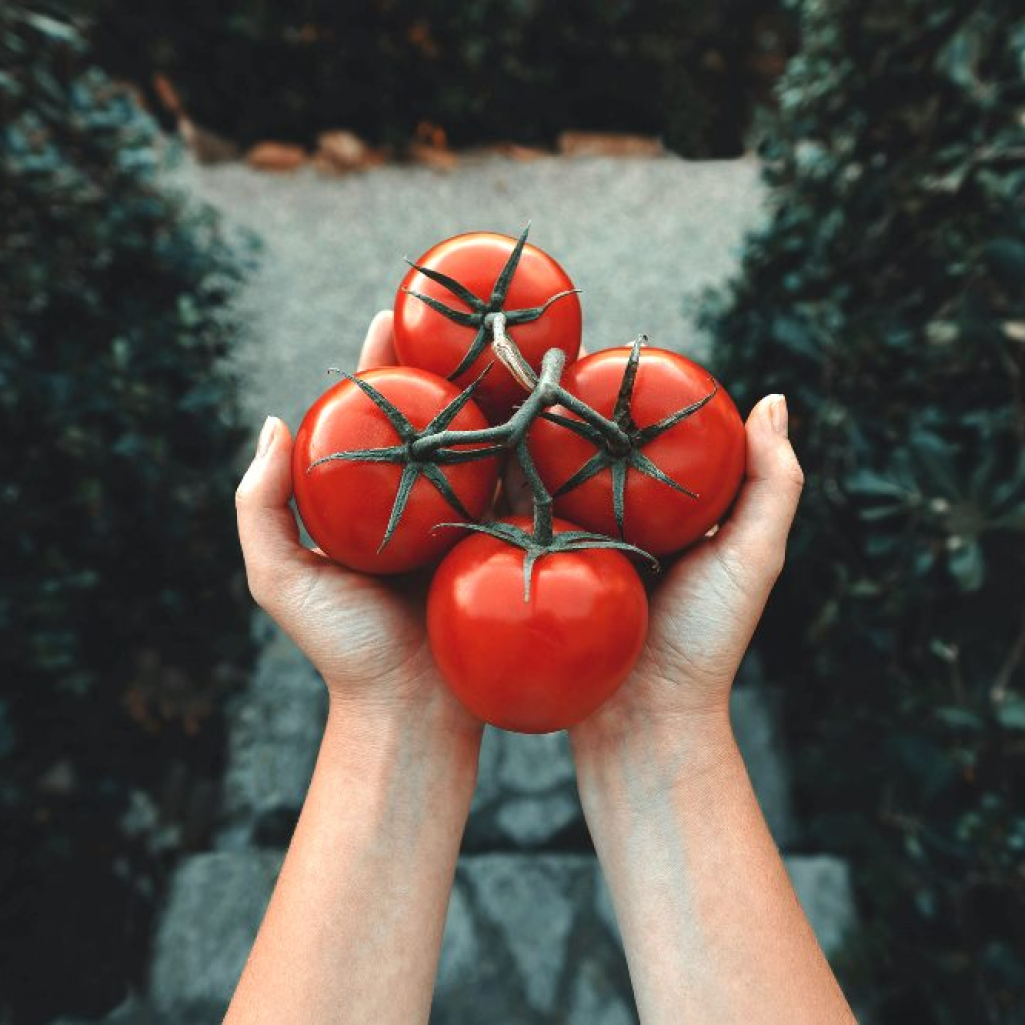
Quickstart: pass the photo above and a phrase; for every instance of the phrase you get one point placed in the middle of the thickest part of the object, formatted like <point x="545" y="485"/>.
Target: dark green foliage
<point x="886" y="298"/>
<point x="483" y="70"/>
<point x="120" y="607"/>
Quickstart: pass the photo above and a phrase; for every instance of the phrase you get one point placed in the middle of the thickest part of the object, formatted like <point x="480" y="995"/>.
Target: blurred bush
<point x="120" y="608"/>
<point x="484" y="70"/>
<point x="886" y="297"/>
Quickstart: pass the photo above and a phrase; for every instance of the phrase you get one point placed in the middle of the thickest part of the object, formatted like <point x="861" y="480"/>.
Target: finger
<point x="379" y="345"/>
<point x="267" y="528"/>
<point x="755" y="536"/>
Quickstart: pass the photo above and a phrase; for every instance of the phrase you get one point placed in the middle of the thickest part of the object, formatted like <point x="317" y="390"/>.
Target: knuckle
<point x="768" y="559"/>
<point x="257" y="587"/>
<point x="241" y="495"/>
<point x="789" y="470"/>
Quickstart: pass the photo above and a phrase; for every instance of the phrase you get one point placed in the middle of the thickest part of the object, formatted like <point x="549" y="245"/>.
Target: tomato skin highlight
<point x="425" y="338"/>
<point x="345" y="506"/>
<point x="706" y="453"/>
<point x="539" y="665"/>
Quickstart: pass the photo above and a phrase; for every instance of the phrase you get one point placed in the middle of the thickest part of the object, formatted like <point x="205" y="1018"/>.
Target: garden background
<point x="824" y="198"/>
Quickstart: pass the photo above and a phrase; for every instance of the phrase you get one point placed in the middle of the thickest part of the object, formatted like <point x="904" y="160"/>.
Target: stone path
<point x="641" y="237"/>
<point x="530" y="934"/>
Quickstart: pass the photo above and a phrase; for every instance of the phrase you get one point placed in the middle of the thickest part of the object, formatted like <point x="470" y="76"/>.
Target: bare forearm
<point x="712" y="928"/>
<point x="353" y="929"/>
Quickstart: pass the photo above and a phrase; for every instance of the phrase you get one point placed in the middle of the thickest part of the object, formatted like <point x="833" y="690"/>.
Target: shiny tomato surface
<point x="704" y="453"/>
<point x="345" y="506"/>
<point x="539" y="665"/>
<point x="425" y="338"/>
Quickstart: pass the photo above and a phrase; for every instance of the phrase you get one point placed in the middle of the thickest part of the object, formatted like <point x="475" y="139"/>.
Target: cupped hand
<point x="365" y="635"/>
<point x="704" y="613"/>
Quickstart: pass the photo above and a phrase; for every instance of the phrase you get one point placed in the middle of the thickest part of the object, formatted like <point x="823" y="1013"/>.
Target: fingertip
<point x="379" y="345"/>
<point x="270" y="473"/>
<point x="769" y="451"/>
<point x="757" y="529"/>
<point x="267" y="529"/>
<point x="766" y="414"/>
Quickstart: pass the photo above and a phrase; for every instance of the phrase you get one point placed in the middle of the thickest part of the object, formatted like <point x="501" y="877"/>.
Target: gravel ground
<point x="641" y="237"/>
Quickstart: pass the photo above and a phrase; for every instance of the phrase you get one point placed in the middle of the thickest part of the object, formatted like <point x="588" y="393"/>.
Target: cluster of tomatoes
<point x="533" y="621"/>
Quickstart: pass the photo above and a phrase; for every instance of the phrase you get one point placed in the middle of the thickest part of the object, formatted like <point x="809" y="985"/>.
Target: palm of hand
<point x="366" y="636"/>
<point x="704" y="613"/>
<point x="363" y="634"/>
<point x="698" y="632"/>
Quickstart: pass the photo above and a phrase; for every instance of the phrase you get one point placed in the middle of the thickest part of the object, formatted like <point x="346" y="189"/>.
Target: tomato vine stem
<point x="422" y="453"/>
<point x="546" y="392"/>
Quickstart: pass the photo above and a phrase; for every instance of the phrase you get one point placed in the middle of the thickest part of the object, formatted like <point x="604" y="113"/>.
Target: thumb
<point x="266" y="525"/>
<point x="753" y="541"/>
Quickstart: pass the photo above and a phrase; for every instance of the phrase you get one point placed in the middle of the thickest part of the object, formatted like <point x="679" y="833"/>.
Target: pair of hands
<point x="368" y="639"/>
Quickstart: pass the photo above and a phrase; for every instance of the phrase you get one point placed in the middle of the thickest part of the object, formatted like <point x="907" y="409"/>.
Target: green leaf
<point x="1011" y="713"/>
<point x="959" y="717"/>
<point x="54" y="29"/>
<point x="1007" y="258"/>
<point x="967" y="565"/>
<point x="869" y="482"/>
<point x="795" y="335"/>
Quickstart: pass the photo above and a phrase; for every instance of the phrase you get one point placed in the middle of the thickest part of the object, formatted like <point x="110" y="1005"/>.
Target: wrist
<point x="437" y="737"/>
<point x="652" y="754"/>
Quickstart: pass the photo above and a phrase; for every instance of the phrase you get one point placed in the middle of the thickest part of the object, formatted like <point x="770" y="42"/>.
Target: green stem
<point x="619" y="440"/>
<point x="543" y="530"/>
<point x="546" y="393"/>
<point x="507" y="352"/>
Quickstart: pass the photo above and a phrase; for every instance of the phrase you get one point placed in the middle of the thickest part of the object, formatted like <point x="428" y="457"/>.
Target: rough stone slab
<point x="595" y="1001"/>
<point x="274" y="734"/>
<point x="755" y="713"/>
<point x="526" y="792"/>
<point x="640" y="236"/>
<point x="214" y="908"/>
<point x="823" y="885"/>
<point x="542" y="950"/>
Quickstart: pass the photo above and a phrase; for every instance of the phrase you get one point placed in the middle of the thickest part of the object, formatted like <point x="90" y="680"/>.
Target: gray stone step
<point x="529" y="937"/>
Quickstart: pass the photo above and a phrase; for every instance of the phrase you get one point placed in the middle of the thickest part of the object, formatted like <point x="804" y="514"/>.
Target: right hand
<point x="704" y="613"/>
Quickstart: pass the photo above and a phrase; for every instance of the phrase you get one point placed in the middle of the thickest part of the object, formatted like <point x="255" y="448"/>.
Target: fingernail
<point x="270" y="425"/>
<point x="778" y="414"/>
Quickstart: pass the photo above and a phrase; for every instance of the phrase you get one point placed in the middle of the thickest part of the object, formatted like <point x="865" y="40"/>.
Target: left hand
<point x="365" y="635"/>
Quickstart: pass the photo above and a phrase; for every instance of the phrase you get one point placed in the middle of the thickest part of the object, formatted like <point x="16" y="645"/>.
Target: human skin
<point x="712" y="929"/>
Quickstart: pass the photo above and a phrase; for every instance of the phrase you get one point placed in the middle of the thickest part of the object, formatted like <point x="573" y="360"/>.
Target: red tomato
<point x="539" y="665"/>
<point x="704" y="453"/>
<point x="428" y="339"/>
<point x="346" y="506"/>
